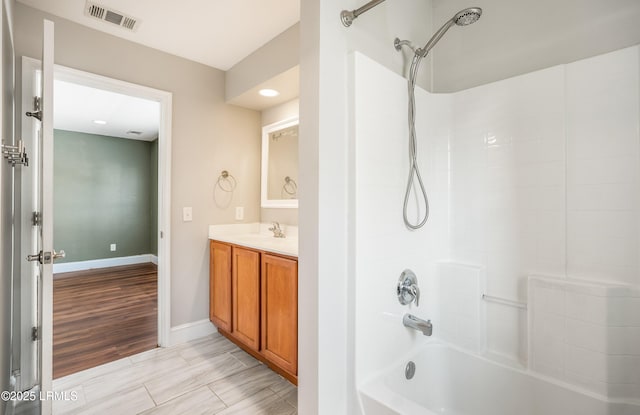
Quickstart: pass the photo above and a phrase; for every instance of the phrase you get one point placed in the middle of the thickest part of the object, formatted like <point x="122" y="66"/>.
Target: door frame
<point x="164" y="98"/>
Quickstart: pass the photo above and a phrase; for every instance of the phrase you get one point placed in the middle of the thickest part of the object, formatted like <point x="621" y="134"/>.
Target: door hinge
<point x="161" y="234"/>
<point x="15" y="154"/>
<point x="35" y="334"/>
<point x="36" y="219"/>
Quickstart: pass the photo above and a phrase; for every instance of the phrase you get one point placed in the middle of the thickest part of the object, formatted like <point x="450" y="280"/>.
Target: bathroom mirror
<point x="280" y="164"/>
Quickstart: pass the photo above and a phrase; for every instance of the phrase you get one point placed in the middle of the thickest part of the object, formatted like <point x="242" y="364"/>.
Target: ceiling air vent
<point x="134" y="132"/>
<point x="95" y="11"/>
<point x="105" y="14"/>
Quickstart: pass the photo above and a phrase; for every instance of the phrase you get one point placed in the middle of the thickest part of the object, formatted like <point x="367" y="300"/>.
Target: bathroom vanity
<point x="253" y="288"/>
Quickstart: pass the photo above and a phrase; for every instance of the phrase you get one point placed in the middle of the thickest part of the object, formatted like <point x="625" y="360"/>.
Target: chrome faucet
<point x="413" y="322"/>
<point x="277" y="232"/>
<point x="407" y="288"/>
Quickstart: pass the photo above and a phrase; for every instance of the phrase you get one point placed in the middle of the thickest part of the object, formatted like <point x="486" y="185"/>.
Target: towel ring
<point x="289" y="187"/>
<point x="227" y="178"/>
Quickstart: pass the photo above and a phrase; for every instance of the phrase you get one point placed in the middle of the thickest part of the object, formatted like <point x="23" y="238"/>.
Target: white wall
<point x="545" y="180"/>
<point x="208" y="136"/>
<point x="275" y="57"/>
<point x="508" y="192"/>
<point x="603" y="168"/>
<point x="589" y="334"/>
<point x="281" y="112"/>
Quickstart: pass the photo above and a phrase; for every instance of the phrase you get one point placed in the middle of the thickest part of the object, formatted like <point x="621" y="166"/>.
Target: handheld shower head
<point x="467" y="16"/>
<point x="462" y="18"/>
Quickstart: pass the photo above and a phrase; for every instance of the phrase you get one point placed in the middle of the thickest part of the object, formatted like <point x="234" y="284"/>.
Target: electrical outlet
<point x="113" y="247"/>
<point x="187" y="214"/>
<point x="239" y="213"/>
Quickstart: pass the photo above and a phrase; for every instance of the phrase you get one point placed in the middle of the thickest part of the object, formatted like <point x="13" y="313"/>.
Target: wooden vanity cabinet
<point x="220" y="285"/>
<point x="280" y="311"/>
<point x="254" y="303"/>
<point x="245" y="293"/>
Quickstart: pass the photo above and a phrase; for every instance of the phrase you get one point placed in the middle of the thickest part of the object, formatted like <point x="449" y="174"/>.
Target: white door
<point x="46" y="192"/>
<point x="37" y="192"/>
<point x="29" y="231"/>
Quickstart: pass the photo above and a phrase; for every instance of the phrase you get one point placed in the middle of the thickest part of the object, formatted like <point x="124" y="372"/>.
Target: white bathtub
<point x="448" y="381"/>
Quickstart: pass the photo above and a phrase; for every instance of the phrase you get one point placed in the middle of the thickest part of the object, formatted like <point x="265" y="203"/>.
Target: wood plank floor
<point x="102" y="315"/>
<point x="207" y="376"/>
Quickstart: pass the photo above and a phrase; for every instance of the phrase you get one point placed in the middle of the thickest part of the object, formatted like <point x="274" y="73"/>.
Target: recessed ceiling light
<point x="269" y="92"/>
<point x="99" y="122"/>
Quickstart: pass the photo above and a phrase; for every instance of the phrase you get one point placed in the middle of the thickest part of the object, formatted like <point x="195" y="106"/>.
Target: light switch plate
<point x="187" y="214"/>
<point x="239" y="213"/>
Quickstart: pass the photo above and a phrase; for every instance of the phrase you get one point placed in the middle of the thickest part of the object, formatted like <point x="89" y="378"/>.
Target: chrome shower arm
<point x="398" y="44"/>
<point x="348" y="17"/>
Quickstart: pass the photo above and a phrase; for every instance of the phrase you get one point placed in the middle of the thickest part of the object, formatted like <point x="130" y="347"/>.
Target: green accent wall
<point x="105" y="191"/>
<point x="153" y="172"/>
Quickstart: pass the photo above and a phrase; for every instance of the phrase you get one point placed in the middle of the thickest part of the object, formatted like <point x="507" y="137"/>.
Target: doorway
<point x="163" y="99"/>
<point x="105" y="204"/>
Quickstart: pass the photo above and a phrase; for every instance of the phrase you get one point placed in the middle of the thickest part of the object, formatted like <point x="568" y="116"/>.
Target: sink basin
<point x="257" y="236"/>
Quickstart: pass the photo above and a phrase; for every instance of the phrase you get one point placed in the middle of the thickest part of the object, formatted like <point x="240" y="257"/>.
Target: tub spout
<point x="413" y="322"/>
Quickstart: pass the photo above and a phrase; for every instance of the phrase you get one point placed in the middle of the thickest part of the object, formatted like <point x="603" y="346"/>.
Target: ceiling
<point x="212" y="32"/>
<point x="76" y="107"/>
<point x="217" y="33"/>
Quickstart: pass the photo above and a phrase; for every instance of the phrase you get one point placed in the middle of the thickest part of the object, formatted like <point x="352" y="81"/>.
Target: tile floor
<point x="206" y="376"/>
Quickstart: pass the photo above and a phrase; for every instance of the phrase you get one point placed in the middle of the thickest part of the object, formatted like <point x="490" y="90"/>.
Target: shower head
<point x="462" y="18"/>
<point x="467" y="16"/>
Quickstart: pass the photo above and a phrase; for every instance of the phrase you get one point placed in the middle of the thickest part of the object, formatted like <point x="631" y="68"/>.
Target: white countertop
<point x="257" y="236"/>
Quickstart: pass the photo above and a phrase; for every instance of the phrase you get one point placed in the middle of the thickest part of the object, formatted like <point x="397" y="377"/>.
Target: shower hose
<point x="414" y="171"/>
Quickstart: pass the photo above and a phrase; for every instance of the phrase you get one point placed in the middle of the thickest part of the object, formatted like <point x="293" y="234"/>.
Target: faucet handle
<point x="407" y="288"/>
<point x="277" y="231"/>
<point x="415" y="290"/>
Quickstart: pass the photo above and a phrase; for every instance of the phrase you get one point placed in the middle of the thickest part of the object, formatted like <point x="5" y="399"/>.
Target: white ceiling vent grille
<point x="95" y="11"/>
<point x="99" y="12"/>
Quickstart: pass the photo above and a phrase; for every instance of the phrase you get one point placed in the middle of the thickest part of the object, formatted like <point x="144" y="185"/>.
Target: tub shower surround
<point x="586" y="334"/>
<point x="454" y="382"/>
<point x="535" y="189"/>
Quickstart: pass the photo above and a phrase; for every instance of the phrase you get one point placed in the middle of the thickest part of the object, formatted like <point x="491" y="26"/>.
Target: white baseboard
<point x="103" y="263"/>
<point x="191" y="331"/>
<point x="154" y="259"/>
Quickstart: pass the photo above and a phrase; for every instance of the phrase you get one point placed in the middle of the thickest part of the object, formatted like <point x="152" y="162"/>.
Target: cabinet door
<point x="246" y="297"/>
<point x="220" y="285"/>
<point x="280" y="311"/>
